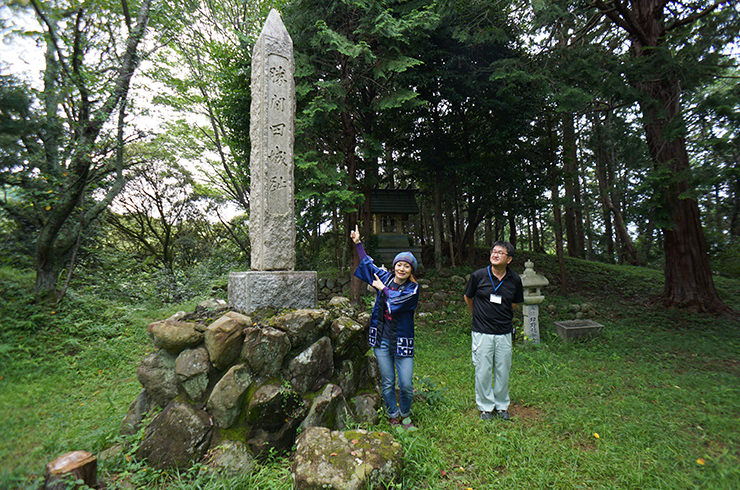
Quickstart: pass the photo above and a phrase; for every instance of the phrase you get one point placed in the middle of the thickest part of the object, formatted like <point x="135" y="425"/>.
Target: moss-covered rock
<point x="345" y="460"/>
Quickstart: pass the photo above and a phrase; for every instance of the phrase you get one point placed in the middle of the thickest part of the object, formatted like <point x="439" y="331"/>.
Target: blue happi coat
<point x="401" y="305"/>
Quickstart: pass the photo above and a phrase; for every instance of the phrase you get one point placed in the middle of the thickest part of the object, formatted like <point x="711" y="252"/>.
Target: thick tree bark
<point x="688" y="275"/>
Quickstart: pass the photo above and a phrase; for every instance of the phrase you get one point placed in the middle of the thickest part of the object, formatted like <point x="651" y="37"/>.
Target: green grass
<point x="659" y="400"/>
<point x="660" y="388"/>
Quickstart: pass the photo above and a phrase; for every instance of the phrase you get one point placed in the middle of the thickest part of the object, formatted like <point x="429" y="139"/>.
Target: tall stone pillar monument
<point x="273" y="281"/>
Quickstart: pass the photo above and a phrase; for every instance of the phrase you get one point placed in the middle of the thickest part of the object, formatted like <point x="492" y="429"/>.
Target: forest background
<point x="594" y="129"/>
<point x="588" y="133"/>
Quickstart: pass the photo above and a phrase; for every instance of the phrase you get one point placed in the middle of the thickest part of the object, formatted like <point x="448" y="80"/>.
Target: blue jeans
<point x="389" y="363"/>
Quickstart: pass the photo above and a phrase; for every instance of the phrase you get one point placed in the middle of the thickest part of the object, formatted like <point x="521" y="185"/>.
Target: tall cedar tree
<point x="653" y="27"/>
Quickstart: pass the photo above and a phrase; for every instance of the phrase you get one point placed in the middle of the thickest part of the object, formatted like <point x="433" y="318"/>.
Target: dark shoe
<point x="486" y="415"/>
<point x="503" y="414"/>
<point x="394" y="421"/>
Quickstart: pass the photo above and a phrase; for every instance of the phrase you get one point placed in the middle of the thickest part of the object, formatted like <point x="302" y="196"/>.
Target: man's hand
<point x="377" y="283"/>
<point x="469" y="302"/>
<point x="355" y="234"/>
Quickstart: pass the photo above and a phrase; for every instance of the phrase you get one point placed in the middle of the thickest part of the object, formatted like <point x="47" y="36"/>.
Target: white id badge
<point x="495" y="298"/>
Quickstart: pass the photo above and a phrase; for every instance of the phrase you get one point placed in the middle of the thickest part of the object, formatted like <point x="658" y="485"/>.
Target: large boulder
<point x="136" y="413"/>
<point x="225" y="400"/>
<point x="273" y="415"/>
<point x="351" y="375"/>
<point x="264" y="349"/>
<point x="312" y="368"/>
<point x="271" y="406"/>
<point x="302" y="326"/>
<point x="156" y="374"/>
<point x="329" y="409"/>
<point x="340" y="303"/>
<point x="192" y="367"/>
<point x="224" y="338"/>
<point x="345" y="460"/>
<point x="231" y="458"/>
<point x="176" y="438"/>
<point x="211" y="308"/>
<point x="364" y="318"/>
<point x="174" y="335"/>
<point x="345" y="333"/>
<point x="365" y="408"/>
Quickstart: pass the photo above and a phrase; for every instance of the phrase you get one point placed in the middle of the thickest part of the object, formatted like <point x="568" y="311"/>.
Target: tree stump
<point x="79" y="465"/>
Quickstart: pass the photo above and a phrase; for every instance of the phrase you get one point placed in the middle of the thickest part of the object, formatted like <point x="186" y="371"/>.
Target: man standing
<point x="491" y="295"/>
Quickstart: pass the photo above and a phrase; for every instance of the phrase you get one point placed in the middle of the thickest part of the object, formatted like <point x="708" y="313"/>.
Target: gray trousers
<point x="492" y="362"/>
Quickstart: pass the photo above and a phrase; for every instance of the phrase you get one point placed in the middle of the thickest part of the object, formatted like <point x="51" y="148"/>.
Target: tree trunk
<point x="735" y="218"/>
<point x="604" y="165"/>
<point x="556" y="214"/>
<point x="487" y="232"/>
<point x="512" y="228"/>
<point x="451" y="240"/>
<point x="437" y="222"/>
<point x="589" y="229"/>
<point x="55" y="238"/>
<point x="688" y="275"/>
<point x="75" y="465"/>
<point x="570" y="180"/>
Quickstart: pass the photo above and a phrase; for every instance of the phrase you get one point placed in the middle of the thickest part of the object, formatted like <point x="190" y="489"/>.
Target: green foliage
<point x="659" y="387"/>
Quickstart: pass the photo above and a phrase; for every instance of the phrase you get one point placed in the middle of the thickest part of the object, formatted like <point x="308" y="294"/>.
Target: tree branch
<point x="695" y="16"/>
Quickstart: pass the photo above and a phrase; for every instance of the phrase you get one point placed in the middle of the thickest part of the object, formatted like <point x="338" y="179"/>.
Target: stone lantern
<point x="532" y="283"/>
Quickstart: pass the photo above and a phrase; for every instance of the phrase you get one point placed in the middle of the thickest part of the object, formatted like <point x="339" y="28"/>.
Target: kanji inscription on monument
<point x="273" y="280"/>
<point x="271" y="214"/>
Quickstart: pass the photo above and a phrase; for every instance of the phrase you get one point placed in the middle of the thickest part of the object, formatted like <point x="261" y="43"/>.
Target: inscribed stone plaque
<point x="271" y="217"/>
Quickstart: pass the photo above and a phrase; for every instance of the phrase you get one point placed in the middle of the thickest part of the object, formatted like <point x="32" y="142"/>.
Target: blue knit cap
<point x="407" y="257"/>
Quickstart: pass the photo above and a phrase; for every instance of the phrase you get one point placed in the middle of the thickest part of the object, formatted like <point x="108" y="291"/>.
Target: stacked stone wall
<point x="225" y="379"/>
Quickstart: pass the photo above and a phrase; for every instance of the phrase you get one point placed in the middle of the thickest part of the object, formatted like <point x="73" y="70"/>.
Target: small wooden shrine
<point x="390" y="210"/>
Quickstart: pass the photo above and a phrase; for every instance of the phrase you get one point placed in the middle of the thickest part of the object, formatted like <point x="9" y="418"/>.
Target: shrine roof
<point x="393" y="201"/>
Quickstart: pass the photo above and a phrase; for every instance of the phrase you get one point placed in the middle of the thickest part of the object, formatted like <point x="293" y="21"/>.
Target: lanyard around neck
<point x="495" y="288"/>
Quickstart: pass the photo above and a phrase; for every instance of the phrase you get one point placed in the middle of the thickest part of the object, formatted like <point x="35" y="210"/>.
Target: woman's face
<point x="402" y="269"/>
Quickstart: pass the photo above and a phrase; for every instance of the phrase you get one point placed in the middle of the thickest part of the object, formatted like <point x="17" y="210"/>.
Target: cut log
<point x="75" y="465"/>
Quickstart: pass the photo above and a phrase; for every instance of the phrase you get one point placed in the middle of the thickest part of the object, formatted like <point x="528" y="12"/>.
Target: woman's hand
<point x="355" y="235"/>
<point x="377" y="283"/>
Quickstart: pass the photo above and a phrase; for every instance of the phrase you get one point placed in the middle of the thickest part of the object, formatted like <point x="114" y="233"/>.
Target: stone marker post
<point x="532" y="282"/>
<point x="272" y="280"/>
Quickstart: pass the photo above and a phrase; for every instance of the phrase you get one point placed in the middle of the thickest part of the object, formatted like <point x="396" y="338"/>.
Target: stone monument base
<point x="251" y="290"/>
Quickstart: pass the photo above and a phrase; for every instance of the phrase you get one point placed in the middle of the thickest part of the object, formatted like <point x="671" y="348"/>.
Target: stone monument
<point x="273" y="281"/>
<point x="532" y="282"/>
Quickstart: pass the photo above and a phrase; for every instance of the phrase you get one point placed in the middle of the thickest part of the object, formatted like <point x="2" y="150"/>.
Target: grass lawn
<point x="653" y="403"/>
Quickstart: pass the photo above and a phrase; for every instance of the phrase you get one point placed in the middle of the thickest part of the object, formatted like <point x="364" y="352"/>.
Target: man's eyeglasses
<point x="496" y="252"/>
